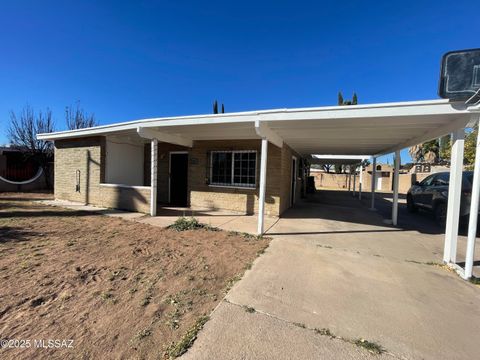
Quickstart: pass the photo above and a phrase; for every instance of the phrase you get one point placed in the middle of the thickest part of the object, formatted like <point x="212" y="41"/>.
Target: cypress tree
<point x="215" y="107"/>
<point x="354" y="99"/>
<point x="340" y="98"/>
<point x="223" y="109"/>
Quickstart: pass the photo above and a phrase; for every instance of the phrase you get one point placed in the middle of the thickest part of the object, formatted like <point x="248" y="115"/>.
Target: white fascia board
<point x="168" y="138"/>
<point x="341" y="157"/>
<point x="386" y="110"/>
<point x="265" y="132"/>
<point x="394" y="110"/>
<point x="148" y="123"/>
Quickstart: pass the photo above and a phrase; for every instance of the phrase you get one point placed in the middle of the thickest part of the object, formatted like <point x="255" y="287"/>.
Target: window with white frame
<point x="233" y="168"/>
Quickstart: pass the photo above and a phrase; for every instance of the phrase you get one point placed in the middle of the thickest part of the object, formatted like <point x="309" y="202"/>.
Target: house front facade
<point x="115" y="171"/>
<point x="248" y="162"/>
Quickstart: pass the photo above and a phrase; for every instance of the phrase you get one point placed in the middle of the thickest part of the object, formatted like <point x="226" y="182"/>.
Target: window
<point x="442" y="179"/>
<point x="234" y="168"/>
<point x="427" y="181"/>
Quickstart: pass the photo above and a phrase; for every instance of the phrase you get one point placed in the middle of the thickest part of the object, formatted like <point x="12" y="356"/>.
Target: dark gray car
<point x="432" y="194"/>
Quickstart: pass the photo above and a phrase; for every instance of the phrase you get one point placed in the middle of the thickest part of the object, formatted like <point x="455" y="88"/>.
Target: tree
<point x="354" y="99"/>
<point x="78" y="119"/>
<point x="342" y="102"/>
<point x="215" y="107"/>
<point x="445" y="145"/>
<point x="428" y="152"/>
<point x="416" y="153"/>
<point x="470" y="148"/>
<point x="22" y="133"/>
<point x="223" y="109"/>
<point x="327" y="167"/>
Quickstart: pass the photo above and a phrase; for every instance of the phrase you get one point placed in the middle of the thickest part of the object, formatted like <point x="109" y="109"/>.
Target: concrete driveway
<point x="341" y="269"/>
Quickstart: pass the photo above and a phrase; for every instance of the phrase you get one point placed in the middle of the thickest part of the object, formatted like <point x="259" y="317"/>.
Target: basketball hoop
<point x="460" y="76"/>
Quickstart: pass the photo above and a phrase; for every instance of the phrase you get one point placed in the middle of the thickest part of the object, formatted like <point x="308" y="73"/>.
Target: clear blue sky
<point x="126" y="60"/>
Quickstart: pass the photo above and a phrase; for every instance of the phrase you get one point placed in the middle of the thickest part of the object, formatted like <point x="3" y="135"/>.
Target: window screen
<point x="234" y="168"/>
<point x="221" y="168"/>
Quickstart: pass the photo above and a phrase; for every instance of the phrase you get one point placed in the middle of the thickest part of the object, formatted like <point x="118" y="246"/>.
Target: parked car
<point x="432" y="194"/>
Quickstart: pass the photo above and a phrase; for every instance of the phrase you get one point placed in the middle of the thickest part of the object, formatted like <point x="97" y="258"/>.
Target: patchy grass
<point x="300" y="325"/>
<point x="107" y="296"/>
<point x="142" y="335"/>
<point x="372" y="347"/>
<point x="475" y="280"/>
<point x="124" y="288"/>
<point x="180" y="348"/>
<point x="230" y="282"/>
<point x="246" y="236"/>
<point x="325" y="246"/>
<point x="324" y="332"/>
<point x="249" y="309"/>
<point x="432" y="263"/>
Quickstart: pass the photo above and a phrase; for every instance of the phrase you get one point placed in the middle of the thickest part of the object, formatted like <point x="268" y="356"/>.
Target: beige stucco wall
<point x="340" y="181"/>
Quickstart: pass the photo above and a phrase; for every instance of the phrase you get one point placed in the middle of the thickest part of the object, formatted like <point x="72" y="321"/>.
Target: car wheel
<point x="410" y="205"/>
<point x="440" y="214"/>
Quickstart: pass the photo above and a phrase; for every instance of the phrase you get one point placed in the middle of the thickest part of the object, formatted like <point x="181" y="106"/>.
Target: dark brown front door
<point x="178" y="179"/>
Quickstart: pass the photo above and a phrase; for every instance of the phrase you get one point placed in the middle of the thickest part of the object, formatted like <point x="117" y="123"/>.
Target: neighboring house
<point x="18" y="172"/>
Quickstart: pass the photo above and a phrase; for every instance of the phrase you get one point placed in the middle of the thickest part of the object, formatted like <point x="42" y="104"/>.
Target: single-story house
<point x="251" y="162"/>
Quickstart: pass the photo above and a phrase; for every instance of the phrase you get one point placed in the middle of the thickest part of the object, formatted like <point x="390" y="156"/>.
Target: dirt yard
<point x="117" y="288"/>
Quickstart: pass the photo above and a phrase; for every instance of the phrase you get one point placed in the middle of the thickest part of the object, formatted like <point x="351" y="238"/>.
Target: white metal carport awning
<point x="355" y="130"/>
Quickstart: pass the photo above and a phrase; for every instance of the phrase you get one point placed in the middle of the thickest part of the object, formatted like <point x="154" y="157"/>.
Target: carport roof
<point x="372" y="129"/>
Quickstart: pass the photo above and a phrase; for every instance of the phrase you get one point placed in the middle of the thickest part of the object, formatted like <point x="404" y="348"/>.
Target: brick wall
<point x="85" y="158"/>
<point x="236" y="199"/>
<point x="88" y="156"/>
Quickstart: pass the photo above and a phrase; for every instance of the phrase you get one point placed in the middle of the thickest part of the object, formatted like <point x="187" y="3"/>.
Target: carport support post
<point x="348" y="180"/>
<point x="373" y="177"/>
<point x="263" y="185"/>
<point x="354" y="179"/>
<point x="360" y="183"/>
<point x="395" y="188"/>
<point x="153" y="177"/>
<point x="454" y="192"/>
<point x="472" y="223"/>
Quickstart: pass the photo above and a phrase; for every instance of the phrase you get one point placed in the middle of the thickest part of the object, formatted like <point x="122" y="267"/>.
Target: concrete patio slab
<point x="342" y="268"/>
<point x="239" y="334"/>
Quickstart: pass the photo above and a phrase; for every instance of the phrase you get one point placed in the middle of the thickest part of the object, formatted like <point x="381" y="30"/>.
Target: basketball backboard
<point x="460" y="74"/>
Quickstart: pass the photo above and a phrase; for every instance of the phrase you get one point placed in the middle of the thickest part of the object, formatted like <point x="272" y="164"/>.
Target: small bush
<point x="184" y="224"/>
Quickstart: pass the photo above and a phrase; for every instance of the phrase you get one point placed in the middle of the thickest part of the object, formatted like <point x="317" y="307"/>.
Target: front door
<point x="379" y="181"/>
<point x="179" y="179"/>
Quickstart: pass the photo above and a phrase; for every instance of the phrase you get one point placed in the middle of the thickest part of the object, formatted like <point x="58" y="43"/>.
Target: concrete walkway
<point x="341" y="268"/>
<point x="222" y="219"/>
